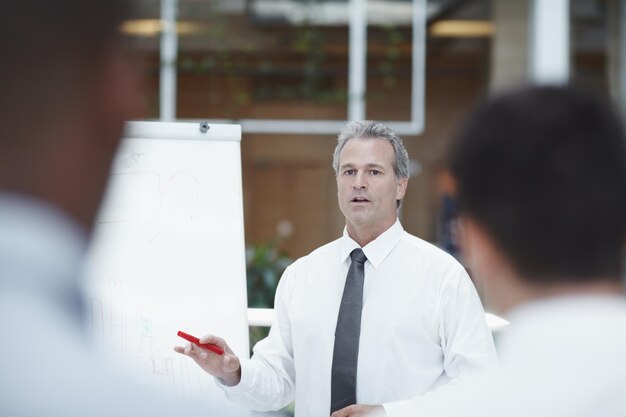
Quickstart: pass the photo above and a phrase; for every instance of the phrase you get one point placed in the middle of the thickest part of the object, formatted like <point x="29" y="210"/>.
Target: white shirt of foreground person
<point x="560" y="357"/>
<point x="422" y="326"/>
<point x="46" y="365"/>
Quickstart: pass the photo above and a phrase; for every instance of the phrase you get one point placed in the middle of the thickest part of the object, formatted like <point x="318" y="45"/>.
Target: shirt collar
<point x="377" y="250"/>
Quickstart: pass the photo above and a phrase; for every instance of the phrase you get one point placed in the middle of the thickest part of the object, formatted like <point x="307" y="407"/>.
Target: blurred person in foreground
<point x="67" y="88"/>
<point x="541" y="178"/>
<point x="413" y="324"/>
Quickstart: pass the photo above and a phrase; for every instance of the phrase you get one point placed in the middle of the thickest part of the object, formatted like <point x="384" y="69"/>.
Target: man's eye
<point x="349" y="172"/>
<point x="375" y="172"/>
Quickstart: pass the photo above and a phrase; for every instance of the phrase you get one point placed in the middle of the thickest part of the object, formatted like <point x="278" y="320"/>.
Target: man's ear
<point x="473" y="241"/>
<point x="492" y="272"/>
<point x="121" y="95"/>
<point x="479" y="250"/>
<point x="401" y="188"/>
<point x="109" y="99"/>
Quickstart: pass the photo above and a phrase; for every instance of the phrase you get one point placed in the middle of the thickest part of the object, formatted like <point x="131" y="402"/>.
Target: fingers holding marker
<point x="188" y="350"/>
<point x="207" y="342"/>
<point x="231" y="363"/>
<point x="214" y="356"/>
<point x="213" y="340"/>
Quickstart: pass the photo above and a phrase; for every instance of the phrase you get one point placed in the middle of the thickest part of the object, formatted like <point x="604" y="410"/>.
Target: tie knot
<point x="357" y="255"/>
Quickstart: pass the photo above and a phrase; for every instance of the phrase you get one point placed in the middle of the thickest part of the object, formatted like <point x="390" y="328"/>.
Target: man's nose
<point x="359" y="182"/>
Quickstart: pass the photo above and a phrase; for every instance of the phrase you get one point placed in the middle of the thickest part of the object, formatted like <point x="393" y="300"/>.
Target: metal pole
<point x="169" y="52"/>
<point x="621" y="59"/>
<point x="357" y="59"/>
<point x="549" y="41"/>
<point x="418" y="69"/>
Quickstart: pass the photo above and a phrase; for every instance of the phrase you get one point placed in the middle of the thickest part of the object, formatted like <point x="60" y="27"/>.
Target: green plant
<point x="265" y="264"/>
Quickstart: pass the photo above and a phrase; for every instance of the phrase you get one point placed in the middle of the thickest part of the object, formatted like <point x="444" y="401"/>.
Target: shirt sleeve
<point x="268" y="378"/>
<point x="466" y="340"/>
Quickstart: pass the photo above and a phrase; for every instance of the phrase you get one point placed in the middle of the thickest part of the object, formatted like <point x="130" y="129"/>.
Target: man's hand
<point x="360" y="410"/>
<point x="226" y="367"/>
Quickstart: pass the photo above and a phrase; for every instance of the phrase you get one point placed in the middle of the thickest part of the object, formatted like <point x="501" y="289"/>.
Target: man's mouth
<point x="360" y="200"/>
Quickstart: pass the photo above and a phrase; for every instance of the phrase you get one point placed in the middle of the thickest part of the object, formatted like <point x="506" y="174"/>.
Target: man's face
<point x="367" y="187"/>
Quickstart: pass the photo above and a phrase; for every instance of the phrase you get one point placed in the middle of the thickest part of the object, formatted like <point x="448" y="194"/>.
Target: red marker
<point x="209" y="346"/>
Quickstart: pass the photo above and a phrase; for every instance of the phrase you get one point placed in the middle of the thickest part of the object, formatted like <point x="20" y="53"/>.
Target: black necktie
<point x="346" y="351"/>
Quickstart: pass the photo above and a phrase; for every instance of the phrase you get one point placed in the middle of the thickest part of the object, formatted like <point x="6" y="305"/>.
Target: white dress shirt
<point x="47" y="367"/>
<point x="560" y="357"/>
<point x="422" y="325"/>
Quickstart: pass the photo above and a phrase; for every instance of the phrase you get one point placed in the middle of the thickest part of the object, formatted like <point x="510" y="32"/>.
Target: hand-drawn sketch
<point x="168" y="255"/>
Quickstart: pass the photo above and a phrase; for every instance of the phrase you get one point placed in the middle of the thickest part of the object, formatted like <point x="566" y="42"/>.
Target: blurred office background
<point x="293" y="71"/>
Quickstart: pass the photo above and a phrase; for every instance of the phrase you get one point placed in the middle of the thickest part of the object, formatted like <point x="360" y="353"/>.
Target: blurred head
<point x="67" y="88"/>
<point x="371" y="166"/>
<point x="541" y="172"/>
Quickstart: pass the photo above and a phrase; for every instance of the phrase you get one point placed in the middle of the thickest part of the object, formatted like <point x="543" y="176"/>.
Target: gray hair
<point x="372" y="129"/>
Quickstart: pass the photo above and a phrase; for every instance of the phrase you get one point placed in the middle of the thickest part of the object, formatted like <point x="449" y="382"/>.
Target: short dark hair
<point x="40" y="30"/>
<point x="49" y="47"/>
<point x="543" y="171"/>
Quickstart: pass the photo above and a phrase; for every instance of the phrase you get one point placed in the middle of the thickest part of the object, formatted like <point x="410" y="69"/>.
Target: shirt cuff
<point x="400" y="408"/>
<point x="244" y="383"/>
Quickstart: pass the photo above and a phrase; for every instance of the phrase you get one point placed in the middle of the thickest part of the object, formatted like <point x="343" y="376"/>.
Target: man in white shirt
<point x="542" y="184"/>
<point x="421" y="325"/>
<point x="67" y="88"/>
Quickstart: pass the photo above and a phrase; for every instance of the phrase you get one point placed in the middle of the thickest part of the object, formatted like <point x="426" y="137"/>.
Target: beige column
<point x="509" y="55"/>
<point x="616" y="14"/>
